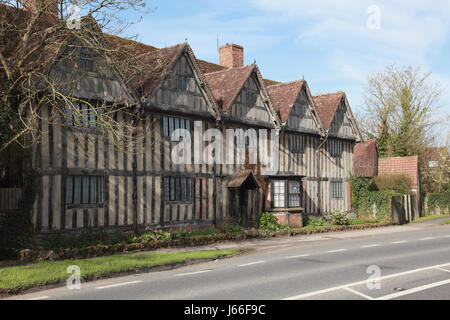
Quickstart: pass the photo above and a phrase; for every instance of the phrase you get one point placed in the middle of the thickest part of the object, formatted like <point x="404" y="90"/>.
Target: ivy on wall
<point x="364" y="197"/>
<point x="438" y="202"/>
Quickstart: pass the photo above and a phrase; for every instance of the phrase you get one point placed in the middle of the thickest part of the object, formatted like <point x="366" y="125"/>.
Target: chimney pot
<point x="231" y="56"/>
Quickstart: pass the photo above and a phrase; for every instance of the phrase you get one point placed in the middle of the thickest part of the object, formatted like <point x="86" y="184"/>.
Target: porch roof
<point x="241" y="177"/>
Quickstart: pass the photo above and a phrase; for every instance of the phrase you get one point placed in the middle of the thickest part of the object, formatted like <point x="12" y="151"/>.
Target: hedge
<point x="438" y="201"/>
<point x="364" y="196"/>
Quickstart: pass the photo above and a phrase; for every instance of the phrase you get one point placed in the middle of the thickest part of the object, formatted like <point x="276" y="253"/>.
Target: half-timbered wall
<point x="134" y="179"/>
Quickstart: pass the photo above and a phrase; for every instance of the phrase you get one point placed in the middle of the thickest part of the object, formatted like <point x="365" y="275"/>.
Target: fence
<point x="404" y="209"/>
<point x="10" y="199"/>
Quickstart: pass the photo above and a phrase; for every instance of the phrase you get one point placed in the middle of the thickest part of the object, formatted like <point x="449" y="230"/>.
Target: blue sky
<point x="327" y="42"/>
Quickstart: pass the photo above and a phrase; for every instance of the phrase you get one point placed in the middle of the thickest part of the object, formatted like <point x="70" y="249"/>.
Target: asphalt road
<point x="413" y="262"/>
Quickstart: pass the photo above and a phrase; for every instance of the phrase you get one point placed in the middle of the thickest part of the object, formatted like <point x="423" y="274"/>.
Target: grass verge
<point x="445" y="222"/>
<point x="18" y="278"/>
<point x="436" y="216"/>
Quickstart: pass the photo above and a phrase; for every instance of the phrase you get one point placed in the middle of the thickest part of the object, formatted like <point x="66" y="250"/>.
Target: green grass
<point x="22" y="277"/>
<point x="436" y="216"/>
<point x="445" y="222"/>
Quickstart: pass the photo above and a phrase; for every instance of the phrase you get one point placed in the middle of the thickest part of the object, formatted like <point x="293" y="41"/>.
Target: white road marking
<point x="398" y="242"/>
<point x="414" y="290"/>
<point x="299" y="256"/>
<point x="338" y="250"/>
<point x="442" y="269"/>
<point x="310" y="294"/>
<point x="39" y="298"/>
<point x="425" y="239"/>
<point x="359" y="293"/>
<point x="251" y="263"/>
<point x="118" y="285"/>
<point x="371" y="245"/>
<point x="191" y="273"/>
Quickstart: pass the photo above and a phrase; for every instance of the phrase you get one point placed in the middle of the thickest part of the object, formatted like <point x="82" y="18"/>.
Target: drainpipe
<point x="318" y="168"/>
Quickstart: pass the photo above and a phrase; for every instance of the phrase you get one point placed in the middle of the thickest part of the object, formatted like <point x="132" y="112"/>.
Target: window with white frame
<point x="432" y="164"/>
<point x="287" y="193"/>
<point x="337" y="190"/>
<point x="84" y="190"/>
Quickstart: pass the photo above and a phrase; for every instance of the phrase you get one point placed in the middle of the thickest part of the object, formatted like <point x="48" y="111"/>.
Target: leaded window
<point x="84" y="190"/>
<point x="297" y="143"/>
<point x="177" y="189"/>
<point x="337" y="189"/>
<point x="336" y="147"/>
<point x="170" y="124"/>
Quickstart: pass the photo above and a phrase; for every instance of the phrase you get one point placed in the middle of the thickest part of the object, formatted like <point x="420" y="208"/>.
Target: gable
<point x="341" y="125"/>
<point x="181" y="91"/>
<point x="250" y="103"/>
<point x="301" y="118"/>
<point x="88" y="74"/>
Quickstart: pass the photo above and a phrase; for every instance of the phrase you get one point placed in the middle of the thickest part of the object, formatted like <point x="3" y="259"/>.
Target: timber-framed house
<point x="84" y="181"/>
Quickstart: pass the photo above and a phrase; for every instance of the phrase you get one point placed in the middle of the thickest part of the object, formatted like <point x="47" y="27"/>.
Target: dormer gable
<point x="242" y="96"/>
<point x="295" y="107"/>
<point x="337" y="117"/>
<point x="173" y="82"/>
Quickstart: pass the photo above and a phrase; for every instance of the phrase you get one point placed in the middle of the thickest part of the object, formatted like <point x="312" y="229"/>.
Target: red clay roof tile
<point x="327" y="105"/>
<point x="283" y="97"/>
<point x="226" y="85"/>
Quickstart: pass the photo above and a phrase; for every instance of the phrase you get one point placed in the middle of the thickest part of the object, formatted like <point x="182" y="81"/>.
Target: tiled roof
<point x="365" y="158"/>
<point x="241" y="177"/>
<point x="131" y="46"/>
<point x="283" y="97"/>
<point x="327" y="105"/>
<point x="155" y="66"/>
<point x="226" y="85"/>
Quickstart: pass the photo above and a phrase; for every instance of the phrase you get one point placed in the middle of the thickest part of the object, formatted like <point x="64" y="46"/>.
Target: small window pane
<point x="77" y="190"/>
<point x="85" y="190"/>
<point x="93" y="190"/>
<point x="100" y="189"/>
<point x="166" y="126"/>
<point x="69" y="190"/>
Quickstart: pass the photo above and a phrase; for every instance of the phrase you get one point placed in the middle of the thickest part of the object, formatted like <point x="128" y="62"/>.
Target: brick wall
<point x="231" y="56"/>
<point x="401" y="165"/>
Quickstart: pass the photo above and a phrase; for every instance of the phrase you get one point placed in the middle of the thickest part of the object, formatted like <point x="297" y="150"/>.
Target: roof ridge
<point x="159" y="50"/>
<point x="329" y="94"/>
<point x="286" y="83"/>
<point x="231" y="69"/>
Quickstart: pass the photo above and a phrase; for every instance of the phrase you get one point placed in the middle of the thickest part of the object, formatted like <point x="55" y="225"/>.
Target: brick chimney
<point x="51" y="6"/>
<point x="231" y="56"/>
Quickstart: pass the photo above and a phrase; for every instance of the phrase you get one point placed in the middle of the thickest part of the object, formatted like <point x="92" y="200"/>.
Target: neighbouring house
<point x="97" y="185"/>
<point x="435" y="169"/>
<point x="366" y="159"/>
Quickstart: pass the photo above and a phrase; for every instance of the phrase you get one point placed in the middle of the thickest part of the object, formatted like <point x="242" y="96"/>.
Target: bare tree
<point x="400" y="109"/>
<point x="436" y="169"/>
<point x="48" y="49"/>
